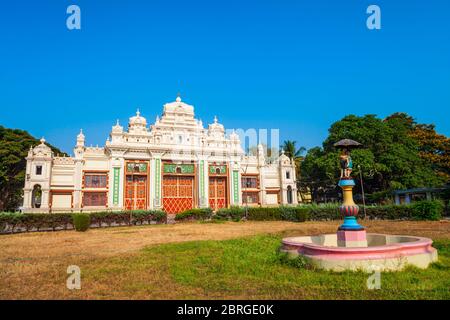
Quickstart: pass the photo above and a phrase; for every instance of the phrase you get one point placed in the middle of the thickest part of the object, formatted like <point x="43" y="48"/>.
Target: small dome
<point x="137" y="120"/>
<point x="216" y="126"/>
<point x="234" y="136"/>
<point x="117" y="128"/>
<point x="80" y="136"/>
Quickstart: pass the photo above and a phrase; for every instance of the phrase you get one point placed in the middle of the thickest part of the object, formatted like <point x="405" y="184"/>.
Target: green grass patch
<point x="252" y="268"/>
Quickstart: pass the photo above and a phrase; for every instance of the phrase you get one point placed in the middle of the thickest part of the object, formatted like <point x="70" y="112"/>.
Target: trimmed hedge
<point x="16" y="222"/>
<point x="24" y="222"/>
<point x="195" y="214"/>
<point x="81" y="221"/>
<point x="108" y="218"/>
<point x="421" y="210"/>
<point x="264" y="213"/>
<point x="234" y="213"/>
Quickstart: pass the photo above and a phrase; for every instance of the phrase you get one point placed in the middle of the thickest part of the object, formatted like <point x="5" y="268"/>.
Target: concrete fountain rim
<point x="417" y="243"/>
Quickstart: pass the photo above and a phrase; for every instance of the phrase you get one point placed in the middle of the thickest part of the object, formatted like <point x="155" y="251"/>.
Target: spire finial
<point x="138" y="113"/>
<point x="117" y="122"/>
<point x="178" y="97"/>
<point x="215" y="119"/>
<point x="42" y="140"/>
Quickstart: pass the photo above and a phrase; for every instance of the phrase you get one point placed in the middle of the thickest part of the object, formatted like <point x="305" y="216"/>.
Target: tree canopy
<point x="397" y="153"/>
<point x="14" y="146"/>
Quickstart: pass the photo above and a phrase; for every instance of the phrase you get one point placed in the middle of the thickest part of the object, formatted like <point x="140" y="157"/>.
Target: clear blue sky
<point x="293" y="65"/>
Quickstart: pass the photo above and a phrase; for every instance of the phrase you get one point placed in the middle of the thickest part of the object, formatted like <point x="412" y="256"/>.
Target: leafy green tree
<point x="14" y="146"/>
<point x="390" y="157"/>
<point x="434" y="148"/>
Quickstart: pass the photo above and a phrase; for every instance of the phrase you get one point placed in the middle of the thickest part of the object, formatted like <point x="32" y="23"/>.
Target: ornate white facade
<point x="173" y="164"/>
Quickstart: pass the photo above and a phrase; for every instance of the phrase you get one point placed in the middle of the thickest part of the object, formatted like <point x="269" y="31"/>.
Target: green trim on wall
<point x="136" y="167"/>
<point x="236" y="186"/>
<point x="116" y="186"/>
<point x="158" y="179"/>
<point x="202" y="179"/>
<point x="213" y="169"/>
<point x="172" y="168"/>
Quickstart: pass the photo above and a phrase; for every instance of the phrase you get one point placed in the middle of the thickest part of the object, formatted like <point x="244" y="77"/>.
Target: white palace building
<point x="174" y="164"/>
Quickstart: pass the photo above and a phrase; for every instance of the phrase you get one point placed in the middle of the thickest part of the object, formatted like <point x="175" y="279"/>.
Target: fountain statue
<point x="351" y="248"/>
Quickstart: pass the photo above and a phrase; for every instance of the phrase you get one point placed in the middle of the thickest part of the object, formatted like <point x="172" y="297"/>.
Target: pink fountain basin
<point x="383" y="252"/>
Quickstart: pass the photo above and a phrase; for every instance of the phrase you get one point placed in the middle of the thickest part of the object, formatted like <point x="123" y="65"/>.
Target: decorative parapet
<point x="63" y="160"/>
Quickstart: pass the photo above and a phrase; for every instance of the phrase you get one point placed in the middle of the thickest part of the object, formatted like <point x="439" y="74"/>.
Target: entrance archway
<point x="289" y="195"/>
<point x="36" y="196"/>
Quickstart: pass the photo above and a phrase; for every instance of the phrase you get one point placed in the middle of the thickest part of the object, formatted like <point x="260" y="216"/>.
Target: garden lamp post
<point x="362" y="191"/>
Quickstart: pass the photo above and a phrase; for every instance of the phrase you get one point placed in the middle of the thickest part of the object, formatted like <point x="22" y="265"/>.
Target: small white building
<point x="174" y="164"/>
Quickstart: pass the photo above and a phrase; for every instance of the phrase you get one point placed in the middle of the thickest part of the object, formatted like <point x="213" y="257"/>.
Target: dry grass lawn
<point x="33" y="265"/>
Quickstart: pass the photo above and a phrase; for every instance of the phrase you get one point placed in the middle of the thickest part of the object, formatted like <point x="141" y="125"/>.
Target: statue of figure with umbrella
<point x="350" y="233"/>
<point x="346" y="164"/>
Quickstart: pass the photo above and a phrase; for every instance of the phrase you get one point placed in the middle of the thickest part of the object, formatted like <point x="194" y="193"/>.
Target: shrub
<point x="427" y="210"/>
<point x="323" y="212"/>
<point x="81" y="221"/>
<point x="391" y="212"/>
<point x="195" y="214"/>
<point x="287" y="213"/>
<point x="17" y="222"/>
<point x="301" y="214"/>
<point x="138" y="217"/>
<point x="8" y="221"/>
<point x="264" y="213"/>
<point x="234" y="213"/>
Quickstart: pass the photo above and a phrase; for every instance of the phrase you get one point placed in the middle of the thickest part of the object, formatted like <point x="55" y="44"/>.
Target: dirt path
<point x="39" y="256"/>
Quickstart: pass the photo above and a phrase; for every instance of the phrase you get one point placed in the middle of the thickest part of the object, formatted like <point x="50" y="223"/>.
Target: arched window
<point x="36" y="196"/>
<point x="289" y="195"/>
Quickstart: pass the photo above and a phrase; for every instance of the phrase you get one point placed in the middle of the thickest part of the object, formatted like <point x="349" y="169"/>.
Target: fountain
<point x="351" y="248"/>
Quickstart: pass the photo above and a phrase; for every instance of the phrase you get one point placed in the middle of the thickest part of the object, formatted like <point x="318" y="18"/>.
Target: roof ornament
<point x="178" y="97"/>
<point x="42" y="140"/>
<point x="215" y="119"/>
<point x="138" y="113"/>
<point x="117" y="122"/>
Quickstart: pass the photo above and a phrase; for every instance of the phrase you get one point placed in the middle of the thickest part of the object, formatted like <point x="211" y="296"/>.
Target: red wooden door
<point x="217" y="192"/>
<point x="178" y="193"/>
<point x="136" y="192"/>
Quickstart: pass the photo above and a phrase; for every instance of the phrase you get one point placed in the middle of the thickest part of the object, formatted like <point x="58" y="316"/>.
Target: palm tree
<point x="291" y="150"/>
